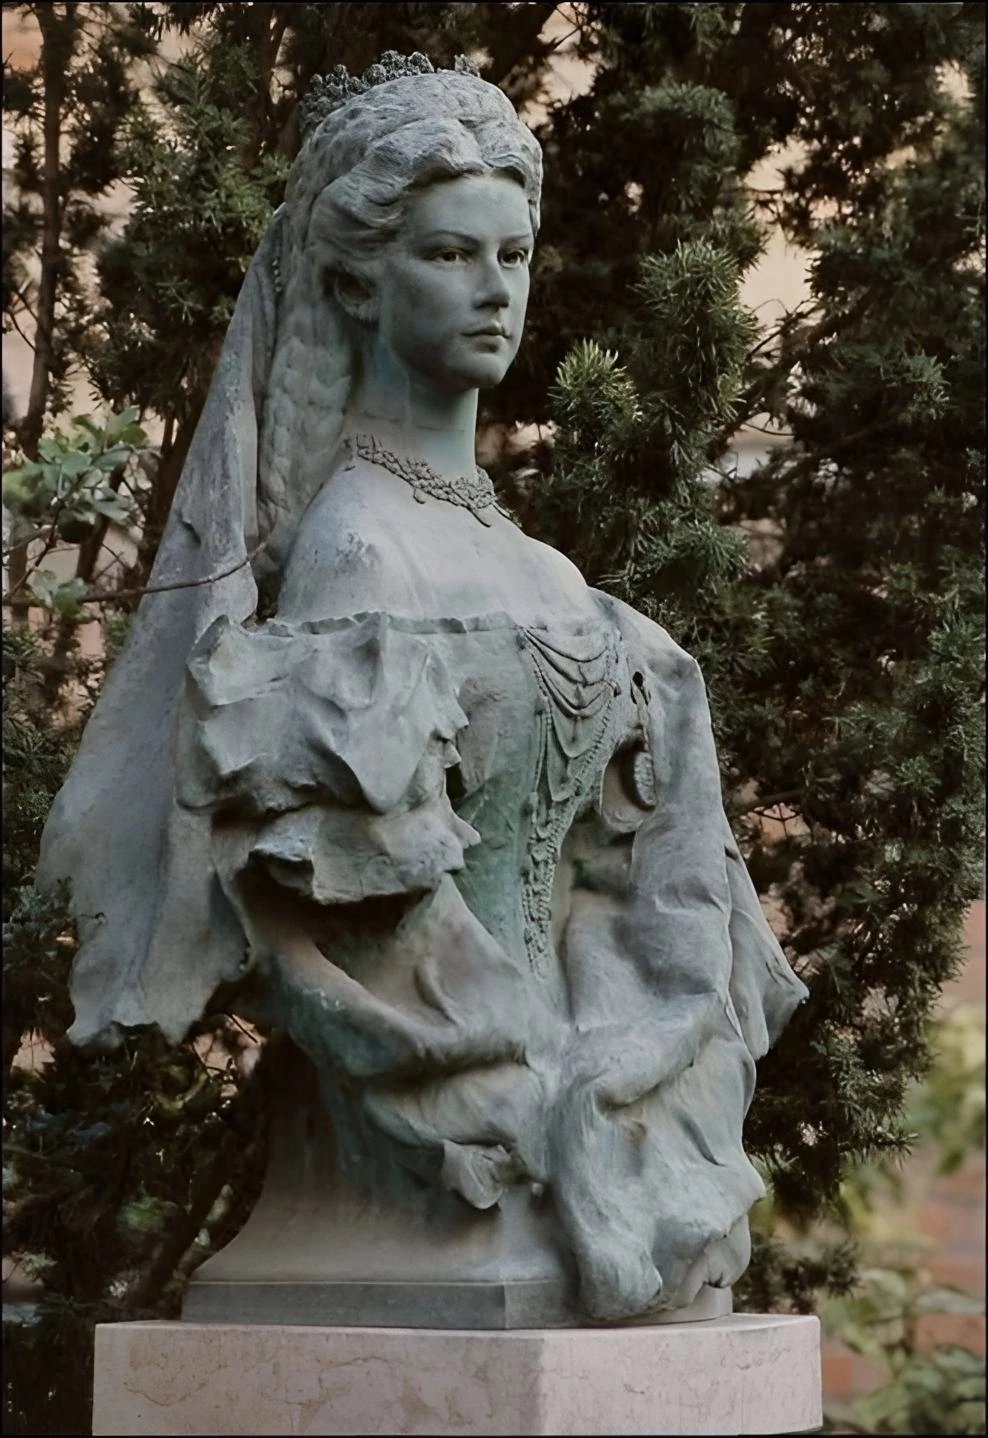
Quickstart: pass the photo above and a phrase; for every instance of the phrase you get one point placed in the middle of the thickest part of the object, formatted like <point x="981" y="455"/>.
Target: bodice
<point x="544" y="714"/>
<point x="484" y="723"/>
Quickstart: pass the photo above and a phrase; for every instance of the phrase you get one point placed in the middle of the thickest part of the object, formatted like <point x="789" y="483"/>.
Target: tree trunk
<point x="58" y="31"/>
<point x="57" y="38"/>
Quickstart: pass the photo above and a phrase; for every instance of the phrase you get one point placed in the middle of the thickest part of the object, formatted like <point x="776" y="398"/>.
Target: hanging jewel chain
<point x="475" y="492"/>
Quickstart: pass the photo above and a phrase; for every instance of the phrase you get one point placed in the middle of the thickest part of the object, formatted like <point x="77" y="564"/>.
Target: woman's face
<point x="453" y="287"/>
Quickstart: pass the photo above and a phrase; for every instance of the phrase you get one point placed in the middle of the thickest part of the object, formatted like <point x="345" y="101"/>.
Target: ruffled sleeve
<point x="325" y="748"/>
<point x="683" y="987"/>
<point x="695" y="910"/>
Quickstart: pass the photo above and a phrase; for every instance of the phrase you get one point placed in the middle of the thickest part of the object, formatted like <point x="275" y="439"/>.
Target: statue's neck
<point x="413" y="417"/>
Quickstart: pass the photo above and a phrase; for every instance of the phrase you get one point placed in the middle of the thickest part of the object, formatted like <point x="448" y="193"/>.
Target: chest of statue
<point x="366" y="542"/>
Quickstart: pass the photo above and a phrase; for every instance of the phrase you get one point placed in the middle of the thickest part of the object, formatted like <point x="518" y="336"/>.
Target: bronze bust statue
<point x="443" y="815"/>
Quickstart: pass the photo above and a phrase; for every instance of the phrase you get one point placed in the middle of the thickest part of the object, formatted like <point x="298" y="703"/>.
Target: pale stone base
<point x="748" y="1373"/>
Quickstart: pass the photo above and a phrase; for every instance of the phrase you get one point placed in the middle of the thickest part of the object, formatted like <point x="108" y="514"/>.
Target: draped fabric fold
<point x="650" y="1172"/>
<point x="482" y="868"/>
<point x="134" y="863"/>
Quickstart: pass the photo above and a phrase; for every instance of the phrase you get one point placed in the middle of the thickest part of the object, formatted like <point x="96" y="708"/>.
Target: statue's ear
<point x="356" y="295"/>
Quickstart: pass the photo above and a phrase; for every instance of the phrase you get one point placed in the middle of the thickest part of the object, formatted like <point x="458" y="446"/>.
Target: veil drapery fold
<point x="114" y="829"/>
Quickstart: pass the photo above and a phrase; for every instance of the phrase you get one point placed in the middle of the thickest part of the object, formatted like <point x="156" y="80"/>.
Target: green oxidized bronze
<point x="449" y="820"/>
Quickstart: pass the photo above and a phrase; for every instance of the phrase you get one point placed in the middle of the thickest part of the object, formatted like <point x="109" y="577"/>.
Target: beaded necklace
<point x="475" y="493"/>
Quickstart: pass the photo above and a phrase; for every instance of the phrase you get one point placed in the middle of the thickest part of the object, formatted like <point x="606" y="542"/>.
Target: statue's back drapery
<point x="446" y="818"/>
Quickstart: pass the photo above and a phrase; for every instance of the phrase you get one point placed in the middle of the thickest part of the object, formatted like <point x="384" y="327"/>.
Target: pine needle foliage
<point x="626" y="501"/>
<point x="845" y="668"/>
<point x="843" y="656"/>
<point x="65" y="115"/>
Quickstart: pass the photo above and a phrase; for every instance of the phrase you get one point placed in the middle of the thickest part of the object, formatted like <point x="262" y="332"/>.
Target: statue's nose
<point x="493" y="286"/>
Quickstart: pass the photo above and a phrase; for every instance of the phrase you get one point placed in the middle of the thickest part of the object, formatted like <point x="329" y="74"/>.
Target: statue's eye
<point x="448" y="256"/>
<point x="514" y="259"/>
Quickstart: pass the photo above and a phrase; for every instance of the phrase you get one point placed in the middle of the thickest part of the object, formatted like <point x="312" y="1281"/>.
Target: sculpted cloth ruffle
<point x="483" y="871"/>
<point x="577" y="979"/>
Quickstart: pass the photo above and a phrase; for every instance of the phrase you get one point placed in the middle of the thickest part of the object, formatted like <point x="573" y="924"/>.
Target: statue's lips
<point x="491" y="331"/>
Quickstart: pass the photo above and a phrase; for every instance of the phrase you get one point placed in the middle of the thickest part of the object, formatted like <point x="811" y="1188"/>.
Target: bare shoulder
<point x="561" y="571"/>
<point x="344" y="559"/>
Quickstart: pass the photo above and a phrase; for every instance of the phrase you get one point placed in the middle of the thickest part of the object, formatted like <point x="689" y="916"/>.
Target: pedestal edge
<point x="744" y="1374"/>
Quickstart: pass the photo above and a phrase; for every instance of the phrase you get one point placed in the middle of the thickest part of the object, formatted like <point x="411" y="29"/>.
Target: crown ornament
<point x="327" y="93"/>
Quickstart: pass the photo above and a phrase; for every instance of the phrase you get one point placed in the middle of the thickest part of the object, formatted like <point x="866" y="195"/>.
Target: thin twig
<point x="50" y="542"/>
<point x="110" y="596"/>
<point x="38" y="533"/>
<point x="774" y="799"/>
<point x="238" y="1023"/>
<point x="767" y="429"/>
<point x="557" y="44"/>
<point x="114" y="560"/>
<point x="114" y="594"/>
<point x="15" y="324"/>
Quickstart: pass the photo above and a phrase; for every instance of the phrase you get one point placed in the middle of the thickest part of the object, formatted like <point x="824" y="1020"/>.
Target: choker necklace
<point x="475" y="493"/>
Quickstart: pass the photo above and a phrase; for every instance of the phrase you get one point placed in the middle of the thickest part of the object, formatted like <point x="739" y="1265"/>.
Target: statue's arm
<point x="319" y="754"/>
<point x="691" y="917"/>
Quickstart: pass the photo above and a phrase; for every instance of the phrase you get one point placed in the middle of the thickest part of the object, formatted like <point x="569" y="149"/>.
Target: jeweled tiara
<point x="329" y="92"/>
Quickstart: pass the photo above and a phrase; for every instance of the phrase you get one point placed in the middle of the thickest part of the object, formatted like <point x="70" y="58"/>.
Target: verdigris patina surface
<point x="446" y="817"/>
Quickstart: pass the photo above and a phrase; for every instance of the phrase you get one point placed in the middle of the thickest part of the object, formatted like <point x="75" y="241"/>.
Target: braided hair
<point x="346" y="199"/>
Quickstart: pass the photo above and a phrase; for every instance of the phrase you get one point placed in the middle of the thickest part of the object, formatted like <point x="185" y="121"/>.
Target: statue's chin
<point x="477" y="371"/>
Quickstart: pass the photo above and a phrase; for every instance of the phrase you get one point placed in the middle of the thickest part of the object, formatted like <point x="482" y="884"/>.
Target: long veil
<point x="138" y="864"/>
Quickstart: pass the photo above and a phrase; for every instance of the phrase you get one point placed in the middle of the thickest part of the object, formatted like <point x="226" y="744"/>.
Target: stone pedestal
<point x="747" y="1373"/>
